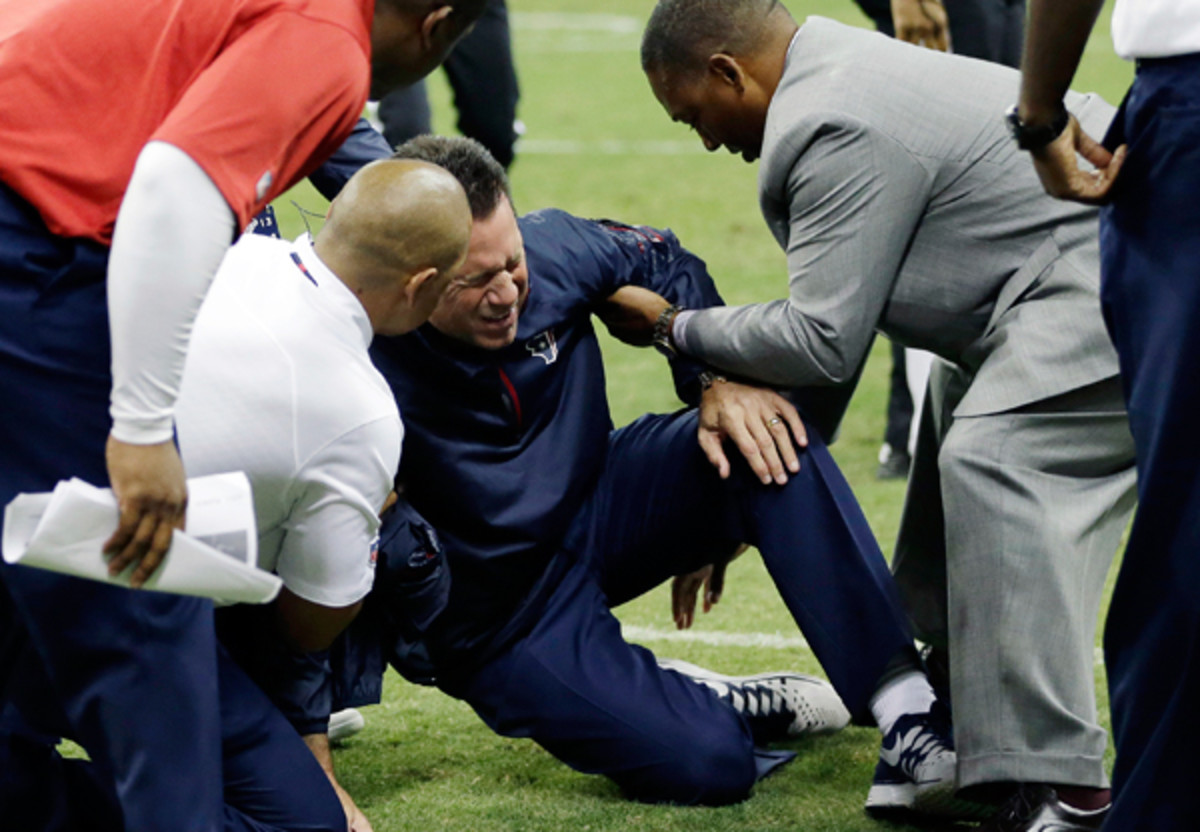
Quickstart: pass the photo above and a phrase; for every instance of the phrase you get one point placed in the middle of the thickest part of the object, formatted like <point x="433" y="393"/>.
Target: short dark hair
<point x="481" y="176"/>
<point x="682" y="34"/>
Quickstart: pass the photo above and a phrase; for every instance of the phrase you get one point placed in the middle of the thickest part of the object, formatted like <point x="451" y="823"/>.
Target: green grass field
<point x="598" y="145"/>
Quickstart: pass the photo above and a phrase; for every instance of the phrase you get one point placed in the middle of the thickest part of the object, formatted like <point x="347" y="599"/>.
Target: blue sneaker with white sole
<point x="916" y="770"/>
<point x="777" y="705"/>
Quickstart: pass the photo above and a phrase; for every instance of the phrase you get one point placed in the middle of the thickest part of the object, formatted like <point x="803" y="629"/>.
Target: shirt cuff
<point x="679" y="329"/>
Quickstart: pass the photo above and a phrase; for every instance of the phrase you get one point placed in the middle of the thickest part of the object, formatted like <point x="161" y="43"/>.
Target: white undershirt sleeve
<point x="173" y="228"/>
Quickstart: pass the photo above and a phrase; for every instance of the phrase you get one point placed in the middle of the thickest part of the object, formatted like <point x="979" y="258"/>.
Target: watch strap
<point x="1036" y="136"/>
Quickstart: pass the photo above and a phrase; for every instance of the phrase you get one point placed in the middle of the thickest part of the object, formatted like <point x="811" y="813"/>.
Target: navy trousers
<point x="1150" y="244"/>
<point x="602" y="705"/>
<point x="271" y="781"/>
<point x="132" y="676"/>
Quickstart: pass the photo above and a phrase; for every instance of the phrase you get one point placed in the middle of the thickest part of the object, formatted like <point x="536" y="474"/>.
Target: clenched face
<point x="484" y="300"/>
<point x="717" y="106"/>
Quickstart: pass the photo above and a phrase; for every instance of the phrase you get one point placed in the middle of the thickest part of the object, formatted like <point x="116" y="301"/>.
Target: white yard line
<point x="774" y="641"/>
<point x="606" y="147"/>
<point x="574" y="33"/>
<point x="613" y="24"/>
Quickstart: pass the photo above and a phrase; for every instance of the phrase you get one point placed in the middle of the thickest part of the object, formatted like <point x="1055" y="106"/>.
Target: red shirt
<point x="257" y="92"/>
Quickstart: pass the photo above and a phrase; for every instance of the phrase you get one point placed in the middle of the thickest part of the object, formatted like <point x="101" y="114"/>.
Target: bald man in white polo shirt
<point x="279" y="384"/>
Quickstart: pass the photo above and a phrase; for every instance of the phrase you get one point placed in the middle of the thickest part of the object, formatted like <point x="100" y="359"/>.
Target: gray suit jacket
<point x="889" y="178"/>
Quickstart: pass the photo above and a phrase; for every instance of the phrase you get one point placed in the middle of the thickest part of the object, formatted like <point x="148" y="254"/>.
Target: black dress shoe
<point x="1037" y="808"/>
<point x="893" y="465"/>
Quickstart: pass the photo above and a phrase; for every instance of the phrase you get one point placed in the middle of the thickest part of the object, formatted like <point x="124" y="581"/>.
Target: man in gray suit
<point x="903" y="206"/>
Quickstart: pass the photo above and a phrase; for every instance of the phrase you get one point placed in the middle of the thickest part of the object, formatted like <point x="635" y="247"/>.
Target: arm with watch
<point x="642" y="270"/>
<point x="1055" y="39"/>
<point x="764" y="426"/>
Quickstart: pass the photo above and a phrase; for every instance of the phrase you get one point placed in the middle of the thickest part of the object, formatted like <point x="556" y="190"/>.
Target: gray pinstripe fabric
<point x="888" y="177"/>
<point x="1010" y="526"/>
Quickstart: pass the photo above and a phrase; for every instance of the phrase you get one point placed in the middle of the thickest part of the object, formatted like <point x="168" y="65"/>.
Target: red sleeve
<point x="272" y="106"/>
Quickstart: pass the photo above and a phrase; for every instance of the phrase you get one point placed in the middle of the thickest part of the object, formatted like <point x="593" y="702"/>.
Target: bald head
<point x="396" y="217"/>
<point x="395" y="222"/>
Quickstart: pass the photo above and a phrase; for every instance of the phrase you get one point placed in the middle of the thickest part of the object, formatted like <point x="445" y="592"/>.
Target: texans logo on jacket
<point x="544" y="346"/>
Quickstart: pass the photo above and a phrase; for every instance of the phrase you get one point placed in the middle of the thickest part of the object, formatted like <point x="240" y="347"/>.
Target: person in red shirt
<point x="137" y="138"/>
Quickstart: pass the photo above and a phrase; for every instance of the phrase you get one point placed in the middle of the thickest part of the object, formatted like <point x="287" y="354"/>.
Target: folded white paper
<point x="65" y="530"/>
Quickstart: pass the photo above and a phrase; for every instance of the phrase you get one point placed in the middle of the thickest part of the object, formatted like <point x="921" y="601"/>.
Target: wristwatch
<point x="708" y="378"/>
<point x="662" y="331"/>
<point x="1036" y="136"/>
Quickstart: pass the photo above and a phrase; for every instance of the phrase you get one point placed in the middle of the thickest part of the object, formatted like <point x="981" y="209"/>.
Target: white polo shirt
<point x="1156" y="28"/>
<point x="278" y="383"/>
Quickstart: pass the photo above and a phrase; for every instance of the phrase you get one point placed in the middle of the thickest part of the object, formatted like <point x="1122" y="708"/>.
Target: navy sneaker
<point x="915" y="773"/>
<point x="777" y="705"/>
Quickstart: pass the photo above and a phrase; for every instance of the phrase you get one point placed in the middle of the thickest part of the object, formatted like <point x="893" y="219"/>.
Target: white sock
<point x="908" y="693"/>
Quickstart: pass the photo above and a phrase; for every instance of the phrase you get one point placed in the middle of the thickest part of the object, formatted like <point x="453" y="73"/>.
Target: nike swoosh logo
<point x="891" y="756"/>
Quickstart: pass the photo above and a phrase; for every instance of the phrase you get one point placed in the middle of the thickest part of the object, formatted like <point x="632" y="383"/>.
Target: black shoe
<point x="937" y="669"/>
<point x="777" y="705"/>
<point x="893" y="464"/>
<point x="1036" y="808"/>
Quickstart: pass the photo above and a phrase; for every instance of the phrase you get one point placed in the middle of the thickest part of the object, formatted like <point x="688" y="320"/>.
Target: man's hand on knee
<point x="764" y="426"/>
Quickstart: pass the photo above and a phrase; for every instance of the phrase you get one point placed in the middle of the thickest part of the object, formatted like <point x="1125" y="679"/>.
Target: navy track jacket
<point x="502" y="447"/>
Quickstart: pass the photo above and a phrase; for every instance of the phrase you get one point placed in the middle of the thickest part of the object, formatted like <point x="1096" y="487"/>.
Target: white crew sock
<point x="908" y="693"/>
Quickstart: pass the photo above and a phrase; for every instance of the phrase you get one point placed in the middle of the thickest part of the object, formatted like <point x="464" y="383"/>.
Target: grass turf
<point x="598" y="145"/>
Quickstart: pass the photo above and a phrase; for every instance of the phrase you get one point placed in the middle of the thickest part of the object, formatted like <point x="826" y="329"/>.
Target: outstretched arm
<point x="608" y="257"/>
<point x="853" y="198"/>
<point x="760" y="422"/>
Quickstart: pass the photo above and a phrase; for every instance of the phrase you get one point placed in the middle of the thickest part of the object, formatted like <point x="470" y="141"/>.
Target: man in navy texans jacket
<point x="548" y="518"/>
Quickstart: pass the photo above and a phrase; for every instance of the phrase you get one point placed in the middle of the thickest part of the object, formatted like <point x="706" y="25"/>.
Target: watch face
<point x="1037" y="136"/>
<point x="1013" y="121"/>
<point x="661" y="339"/>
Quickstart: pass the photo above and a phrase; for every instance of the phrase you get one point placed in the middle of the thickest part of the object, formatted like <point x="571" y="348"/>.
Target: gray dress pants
<point x="1010" y="525"/>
